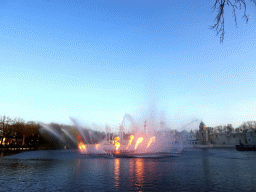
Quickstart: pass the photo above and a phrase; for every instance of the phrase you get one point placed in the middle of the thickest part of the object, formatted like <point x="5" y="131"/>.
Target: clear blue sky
<point x="97" y="60"/>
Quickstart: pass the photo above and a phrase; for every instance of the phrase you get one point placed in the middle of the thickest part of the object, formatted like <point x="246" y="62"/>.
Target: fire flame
<point x="97" y="146"/>
<point x="130" y="141"/>
<point x="81" y="146"/>
<point x="117" y="144"/>
<point x="116" y="138"/>
<point x="152" y="139"/>
<point x="139" y="140"/>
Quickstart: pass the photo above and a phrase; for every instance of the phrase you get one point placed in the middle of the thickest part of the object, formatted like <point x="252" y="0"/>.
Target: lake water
<point x="68" y="170"/>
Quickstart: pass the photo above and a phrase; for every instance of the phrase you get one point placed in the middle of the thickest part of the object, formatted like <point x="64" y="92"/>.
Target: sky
<point x="101" y="59"/>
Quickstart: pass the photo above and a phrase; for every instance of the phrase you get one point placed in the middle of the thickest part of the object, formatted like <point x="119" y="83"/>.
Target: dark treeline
<point x="15" y="132"/>
<point x="229" y="128"/>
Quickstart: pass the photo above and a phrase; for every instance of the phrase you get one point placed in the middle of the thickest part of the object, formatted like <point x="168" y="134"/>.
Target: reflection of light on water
<point x="131" y="168"/>
<point x="139" y="172"/>
<point x="136" y="173"/>
<point x="117" y="172"/>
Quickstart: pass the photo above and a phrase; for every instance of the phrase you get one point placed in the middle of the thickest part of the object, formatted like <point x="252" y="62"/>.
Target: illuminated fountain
<point x="149" y="143"/>
<point x="146" y="143"/>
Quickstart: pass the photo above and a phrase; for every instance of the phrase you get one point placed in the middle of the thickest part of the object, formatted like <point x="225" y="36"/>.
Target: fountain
<point x="143" y="141"/>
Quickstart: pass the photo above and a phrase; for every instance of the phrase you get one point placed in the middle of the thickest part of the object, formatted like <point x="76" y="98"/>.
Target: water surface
<point x="68" y="170"/>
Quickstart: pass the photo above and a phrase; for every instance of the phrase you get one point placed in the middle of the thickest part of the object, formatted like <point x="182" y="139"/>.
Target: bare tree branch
<point x="219" y="5"/>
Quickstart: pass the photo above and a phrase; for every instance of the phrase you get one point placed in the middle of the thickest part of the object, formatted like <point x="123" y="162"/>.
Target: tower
<point x="203" y="134"/>
<point x="202" y="126"/>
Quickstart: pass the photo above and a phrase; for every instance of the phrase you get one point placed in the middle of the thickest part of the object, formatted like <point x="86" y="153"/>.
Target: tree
<point x="237" y="130"/>
<point x="219" y="128"/>
<point x="4" y="121"/>
<point x="230" y="128"/>
<point x="220" y="5"/>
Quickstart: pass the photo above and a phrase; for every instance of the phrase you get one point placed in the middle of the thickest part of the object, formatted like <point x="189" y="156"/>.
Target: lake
<point x="68" y="170"/>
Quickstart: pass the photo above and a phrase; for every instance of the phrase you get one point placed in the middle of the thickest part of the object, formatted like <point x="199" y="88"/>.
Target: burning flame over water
<point x="97" y="146"/>
<point x="130" y="141"/>
<point x="116" y="138"/>
<point x="117" y="144"/>
<point x="139" y="140"/>
<point x="82" y="146"/>
<point x="152" y="139"/>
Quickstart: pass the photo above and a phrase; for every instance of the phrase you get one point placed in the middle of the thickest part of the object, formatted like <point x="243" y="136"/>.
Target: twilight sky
<point x="100" y="59"/>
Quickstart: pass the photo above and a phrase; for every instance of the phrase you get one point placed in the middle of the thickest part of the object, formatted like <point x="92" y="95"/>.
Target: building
<point x="250" y="137"/>
<point x="226" y="139"/>
<point x="202" y="135"/>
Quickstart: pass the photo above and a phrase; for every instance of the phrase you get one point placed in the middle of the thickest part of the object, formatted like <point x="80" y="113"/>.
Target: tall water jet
<point x="79" y="128"/>
<point x="69" y="135"/>
<point x="53" y="131"/>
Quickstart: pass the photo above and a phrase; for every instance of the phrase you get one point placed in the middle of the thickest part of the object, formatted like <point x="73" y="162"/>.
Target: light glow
<point x="130" y="141"/>
<point x="117" y="144"/>
<point x="152" y="139"/>
<point x="139" y="140"/>
<point x="82" y="146"/>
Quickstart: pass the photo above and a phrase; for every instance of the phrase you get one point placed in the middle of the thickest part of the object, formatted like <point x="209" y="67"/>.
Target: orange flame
<point x="82" y="146"/>
<point x="117" y="144"/>
<point x="97" y="146"/>
<point x="139" y="140"/>
<point x="130" y="141"/>
<point x="116" y="138"/>
<point x="152" y="139"/>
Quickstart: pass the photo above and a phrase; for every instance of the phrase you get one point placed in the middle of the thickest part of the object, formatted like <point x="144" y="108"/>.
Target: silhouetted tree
<point x="237" y="130"/>
<point x="4" y="121"/>
<point x="221" y="5"/>
<point x="210" y="129"/>
<point x="220" y="128"/>
<point x="230" y="128"/>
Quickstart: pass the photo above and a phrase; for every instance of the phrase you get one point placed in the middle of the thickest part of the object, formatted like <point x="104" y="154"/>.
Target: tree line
<point x="17" y="132"/>
<point x="230" y="129"/>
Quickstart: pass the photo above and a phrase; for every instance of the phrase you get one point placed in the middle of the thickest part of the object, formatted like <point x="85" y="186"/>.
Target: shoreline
<point x="213" y="146"/>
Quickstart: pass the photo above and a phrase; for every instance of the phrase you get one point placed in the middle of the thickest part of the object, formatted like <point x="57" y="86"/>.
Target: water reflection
<point x="139" y="172"/>
<point x="131" y="172"/>
<point x="77" y="168"/>
<point x="212" y="170"/>
<point x="117" y="172"/>
<point x="206" y="170"/>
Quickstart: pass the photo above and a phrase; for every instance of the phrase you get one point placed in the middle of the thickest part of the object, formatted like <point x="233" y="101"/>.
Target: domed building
<point x="202" y="126"/>
<point x="203" y="134"/>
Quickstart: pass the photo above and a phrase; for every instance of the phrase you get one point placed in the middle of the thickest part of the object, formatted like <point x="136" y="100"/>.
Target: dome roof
<point x="202" y="123"/>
